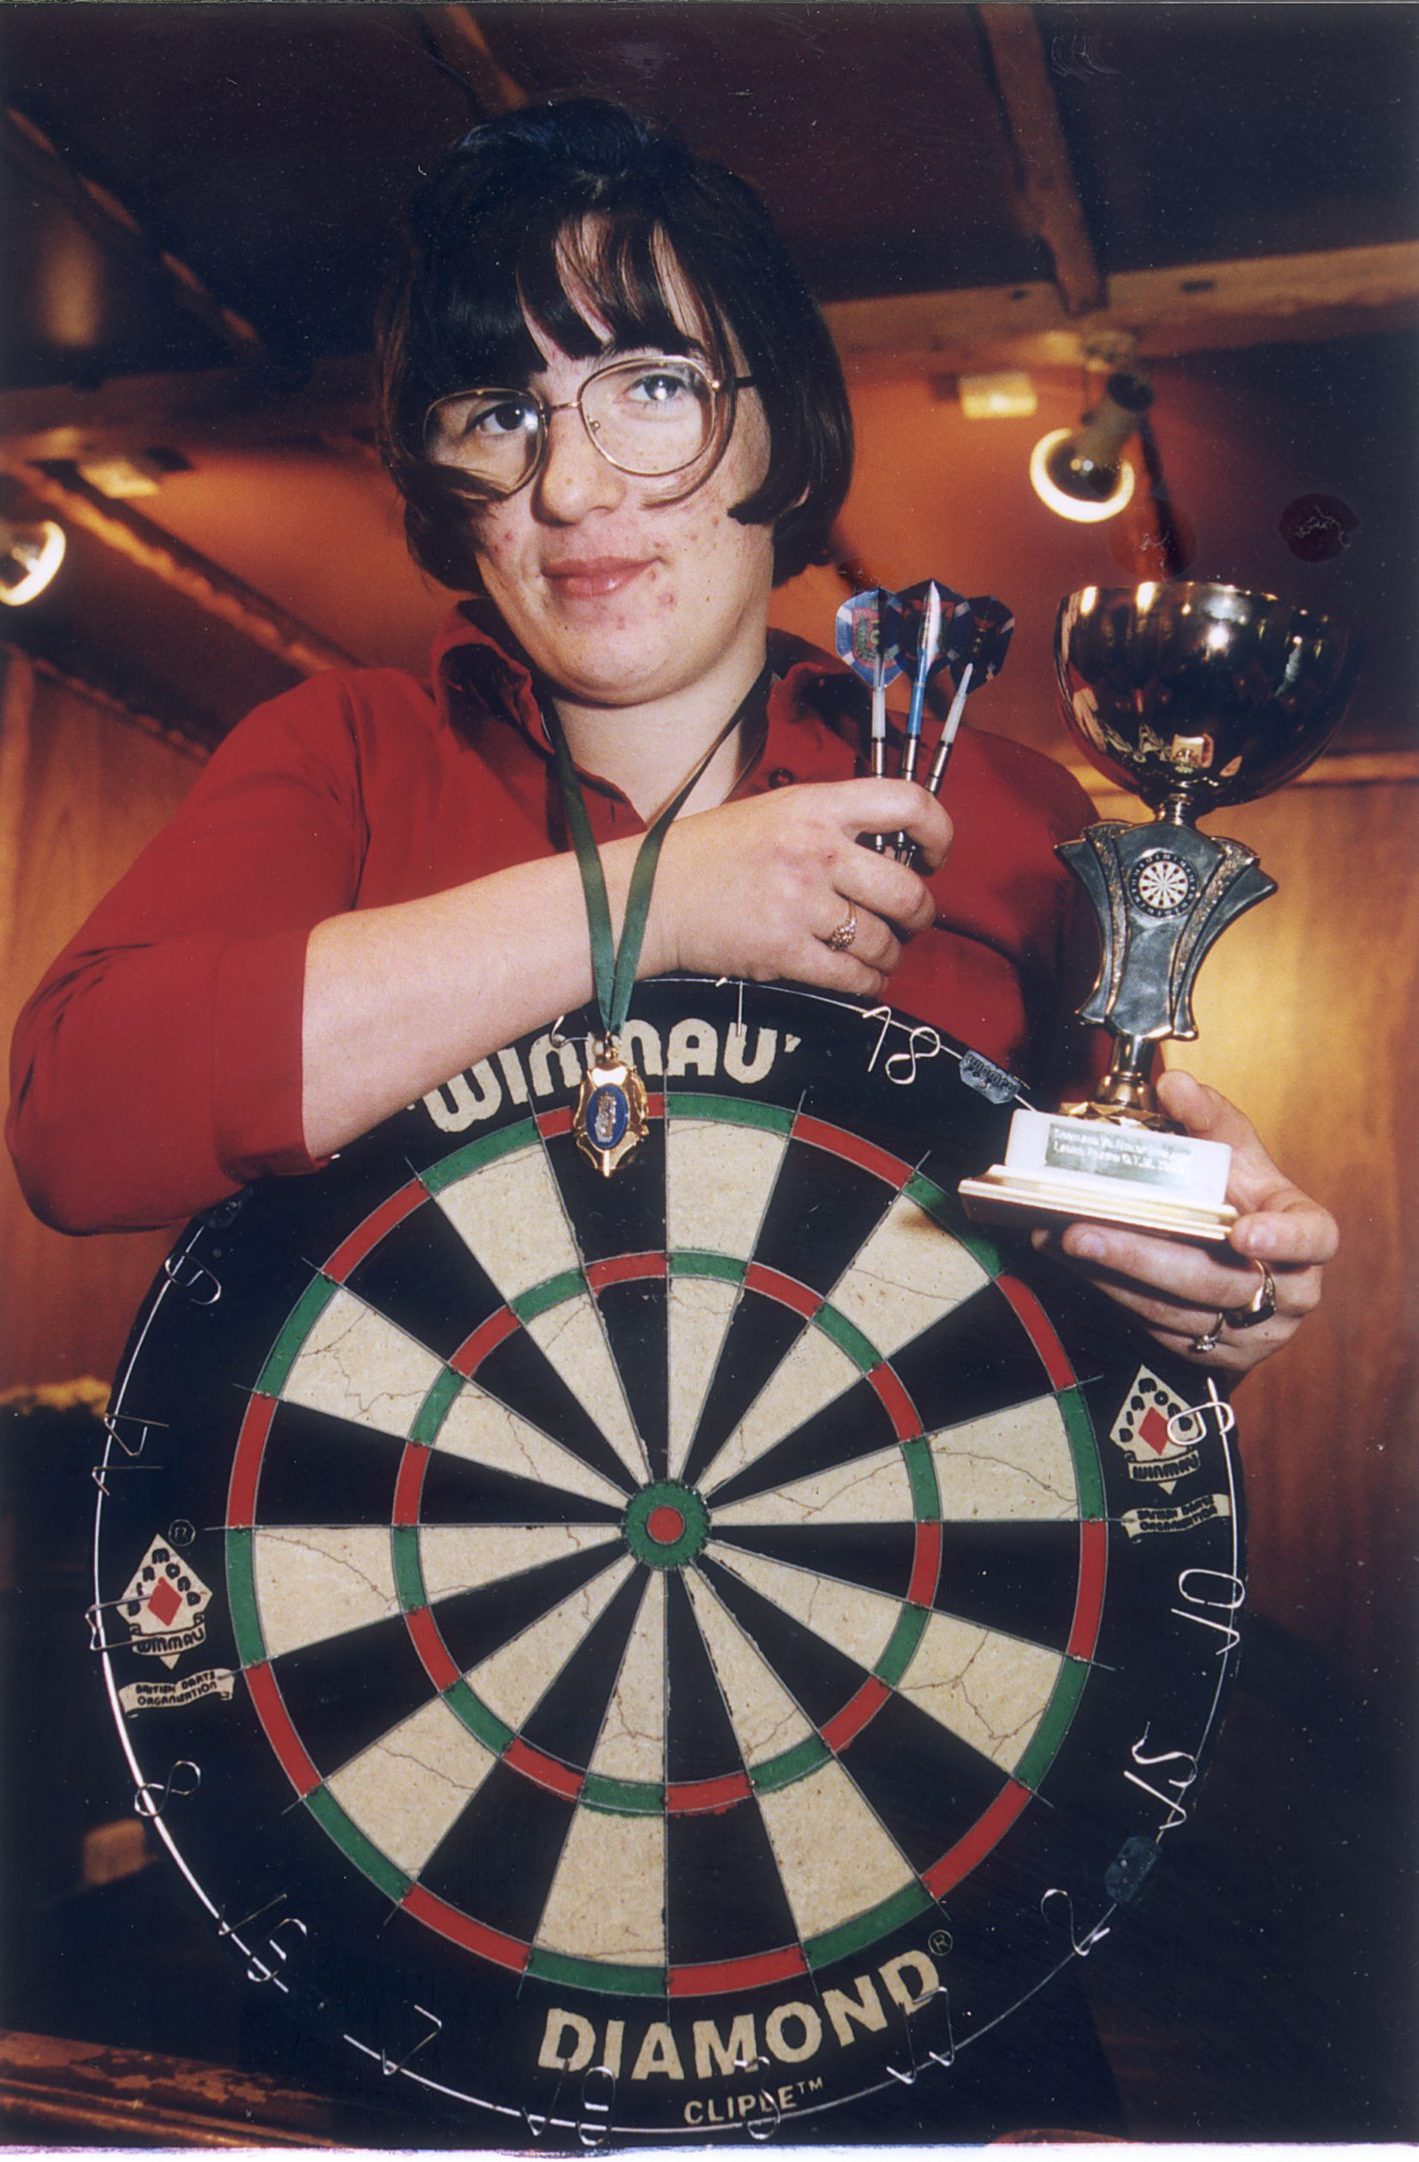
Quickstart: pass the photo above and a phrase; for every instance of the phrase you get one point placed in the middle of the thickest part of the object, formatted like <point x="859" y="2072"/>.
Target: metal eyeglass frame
<point x="721" y="389"/>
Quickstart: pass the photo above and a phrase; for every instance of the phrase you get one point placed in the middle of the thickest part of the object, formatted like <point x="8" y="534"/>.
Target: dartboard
<point x="672" y="1651"/>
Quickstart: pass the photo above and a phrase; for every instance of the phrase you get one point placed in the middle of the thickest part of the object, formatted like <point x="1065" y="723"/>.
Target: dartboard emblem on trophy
<point x="1162" y="883"/>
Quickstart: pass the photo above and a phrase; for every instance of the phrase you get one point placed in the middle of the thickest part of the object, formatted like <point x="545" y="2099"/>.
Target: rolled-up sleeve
<point x="158" y="1065"/>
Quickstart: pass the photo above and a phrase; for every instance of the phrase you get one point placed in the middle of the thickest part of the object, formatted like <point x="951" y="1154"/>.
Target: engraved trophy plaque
<point x="1190" y="696"/>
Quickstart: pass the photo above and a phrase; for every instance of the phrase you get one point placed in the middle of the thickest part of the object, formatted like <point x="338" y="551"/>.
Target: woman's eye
<point x="662" y="386"/>
<point x="509" y="416"/>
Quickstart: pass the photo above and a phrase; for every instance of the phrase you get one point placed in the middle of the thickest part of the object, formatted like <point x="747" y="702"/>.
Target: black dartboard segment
<point x="665" y="1653"/>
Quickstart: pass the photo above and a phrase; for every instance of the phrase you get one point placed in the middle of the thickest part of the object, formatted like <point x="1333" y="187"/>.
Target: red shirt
<point x="158" y="1065"/>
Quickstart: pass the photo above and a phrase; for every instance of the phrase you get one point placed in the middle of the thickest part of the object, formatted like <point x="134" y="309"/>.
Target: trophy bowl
<point x="1192" y="696"/>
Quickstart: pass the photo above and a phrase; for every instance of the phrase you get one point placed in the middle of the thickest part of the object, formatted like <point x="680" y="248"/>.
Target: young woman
<point x="616" y="417"/>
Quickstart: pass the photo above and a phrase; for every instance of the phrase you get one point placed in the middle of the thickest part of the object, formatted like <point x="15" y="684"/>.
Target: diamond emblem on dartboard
<point x="165" y="1604"/>
<point x="1155" y="1430"/>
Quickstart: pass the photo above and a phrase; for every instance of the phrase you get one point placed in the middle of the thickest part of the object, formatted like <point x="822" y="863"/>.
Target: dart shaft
<point x="879" y="738"/>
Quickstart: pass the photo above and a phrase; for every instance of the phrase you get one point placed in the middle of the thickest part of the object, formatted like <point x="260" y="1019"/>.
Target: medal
<point x="610" y="1120"/>
<point x="610" y="1116"/>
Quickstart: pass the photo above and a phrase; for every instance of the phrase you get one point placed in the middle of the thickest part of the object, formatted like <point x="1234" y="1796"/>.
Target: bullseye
<point x="666" y="1524"/>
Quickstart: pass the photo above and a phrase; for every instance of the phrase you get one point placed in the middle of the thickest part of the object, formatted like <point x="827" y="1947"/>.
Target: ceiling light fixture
<point x="30" y="554"/>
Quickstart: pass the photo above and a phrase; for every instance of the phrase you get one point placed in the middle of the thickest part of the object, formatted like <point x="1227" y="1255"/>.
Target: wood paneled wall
<point x="82" y="788"/>
<point x="1307" y="1018"/>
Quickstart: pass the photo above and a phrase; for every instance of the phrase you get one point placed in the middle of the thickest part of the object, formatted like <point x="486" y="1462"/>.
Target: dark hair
<point x="586" y="185"/>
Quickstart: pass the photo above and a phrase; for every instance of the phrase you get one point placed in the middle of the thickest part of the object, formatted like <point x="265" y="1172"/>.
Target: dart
<point x="991" y="627"/>
<point x="986" y="627"/>
<point x="863" y="642"/>
<point x="922" y="624"/>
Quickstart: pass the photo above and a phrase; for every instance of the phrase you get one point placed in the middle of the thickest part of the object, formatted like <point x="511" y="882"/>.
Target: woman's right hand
<point x="757" y="888"/>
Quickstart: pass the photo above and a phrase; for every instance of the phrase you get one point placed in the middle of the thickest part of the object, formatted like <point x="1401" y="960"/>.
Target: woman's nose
<point x="575" y="478"/>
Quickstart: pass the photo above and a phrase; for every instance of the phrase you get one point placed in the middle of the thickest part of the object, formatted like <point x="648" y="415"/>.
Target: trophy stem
<point x="1125" y="1095"/>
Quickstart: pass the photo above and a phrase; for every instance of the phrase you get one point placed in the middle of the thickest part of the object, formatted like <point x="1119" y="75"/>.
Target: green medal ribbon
<point x="614" y="972"/>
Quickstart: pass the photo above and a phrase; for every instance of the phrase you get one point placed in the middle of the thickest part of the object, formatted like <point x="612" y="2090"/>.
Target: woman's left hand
<point x="1180" y="1290"/>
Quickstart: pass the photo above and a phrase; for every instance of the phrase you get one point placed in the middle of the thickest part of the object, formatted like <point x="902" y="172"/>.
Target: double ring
<point x="838" y="941"/>
<point x="1260" y="1307"/>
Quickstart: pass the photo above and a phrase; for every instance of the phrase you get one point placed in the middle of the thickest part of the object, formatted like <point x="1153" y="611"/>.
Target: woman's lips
<point x="593" y="577"/>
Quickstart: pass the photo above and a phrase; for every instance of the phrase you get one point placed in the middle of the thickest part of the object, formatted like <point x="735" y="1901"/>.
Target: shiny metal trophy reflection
<point x="1190" y="696"/>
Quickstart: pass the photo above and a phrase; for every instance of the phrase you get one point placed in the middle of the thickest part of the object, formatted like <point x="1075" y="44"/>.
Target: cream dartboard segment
<point x="656" y="1652"/>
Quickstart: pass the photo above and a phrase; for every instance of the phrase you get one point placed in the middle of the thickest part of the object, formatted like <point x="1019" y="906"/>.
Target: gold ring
<point x="838" y="941"/>
<point x="1260" y="1307"/>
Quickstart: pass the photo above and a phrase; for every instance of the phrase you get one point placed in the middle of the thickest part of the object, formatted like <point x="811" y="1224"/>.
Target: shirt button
<point x="780" y="777"/>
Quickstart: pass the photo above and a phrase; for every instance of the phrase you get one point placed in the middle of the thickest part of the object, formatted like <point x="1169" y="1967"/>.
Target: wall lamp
<point x="30" y="554"/>
<point x="1082" y="473"/>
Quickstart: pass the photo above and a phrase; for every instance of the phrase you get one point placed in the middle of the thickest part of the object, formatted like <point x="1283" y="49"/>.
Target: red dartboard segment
<point x="409" y="1485"/>
<point x="1040" y="1330"/>
<point x="351" y="1251"/>
<point x="246" y="1463"/>
<point x="1089" y="1602"/>
<point x="900" y="1409"/>
<point x="853" y="1717"/>
<point x="926" y="1565"/>
<point x="987" y="1832"/>
<point x="485" y="1338"/>
<point x="280" y="1733"/>
<point x="773" y="1284"/>
<point x="542" y="1770"/>
<point x="716" y="1978"/>
<point x="442" y="1671"/>
<point x="460" y="1928"/>
<point x="853" y="1149"/>
<point x="626" y="1269"/>
<point x="699" y="1796"/>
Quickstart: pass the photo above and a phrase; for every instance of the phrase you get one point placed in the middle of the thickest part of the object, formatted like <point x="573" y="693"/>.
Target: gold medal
<point x="610" y="1119"/>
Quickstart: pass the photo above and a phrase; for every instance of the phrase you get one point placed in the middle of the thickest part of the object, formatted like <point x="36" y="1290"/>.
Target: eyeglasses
<point x="651" y="417"/>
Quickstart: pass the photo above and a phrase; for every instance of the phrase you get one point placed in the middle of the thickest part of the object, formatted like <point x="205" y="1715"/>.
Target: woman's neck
<point x="647" y="750"/>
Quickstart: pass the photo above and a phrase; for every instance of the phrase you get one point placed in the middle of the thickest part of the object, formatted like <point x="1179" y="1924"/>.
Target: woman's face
<point x="620" y="590"/>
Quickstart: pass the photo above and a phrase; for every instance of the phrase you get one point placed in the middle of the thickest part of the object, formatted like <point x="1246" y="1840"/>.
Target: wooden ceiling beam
<point x="1047" y="184"/>
<point x="463" y="44"/>
<point x="215" y="408"/>
<point x="1190" y="308"/>
<point x="182" y="570"/>
<point x="115" y="227"/>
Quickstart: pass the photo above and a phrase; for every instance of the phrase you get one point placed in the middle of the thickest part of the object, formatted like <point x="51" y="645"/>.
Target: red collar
<point x="817" y="709"/>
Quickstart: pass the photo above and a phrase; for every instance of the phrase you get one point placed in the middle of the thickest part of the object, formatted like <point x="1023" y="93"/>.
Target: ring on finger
<point x="1261" y="1305"/>
<point x="838" y="941"/>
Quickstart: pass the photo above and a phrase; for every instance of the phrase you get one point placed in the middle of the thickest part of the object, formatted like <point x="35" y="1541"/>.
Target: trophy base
<point x="1107" y="1173"/>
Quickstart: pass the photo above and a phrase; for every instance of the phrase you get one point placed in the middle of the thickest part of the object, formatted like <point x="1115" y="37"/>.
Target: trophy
<point x="1191" y="696"/>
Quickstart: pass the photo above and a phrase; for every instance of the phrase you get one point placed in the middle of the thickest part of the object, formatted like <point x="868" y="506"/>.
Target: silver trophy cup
<point x="1191" y="697"/>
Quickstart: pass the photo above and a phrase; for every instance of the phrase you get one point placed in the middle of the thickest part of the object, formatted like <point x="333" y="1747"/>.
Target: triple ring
<point x="1260" y="1307"/>
<point x="838" y="941"/>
